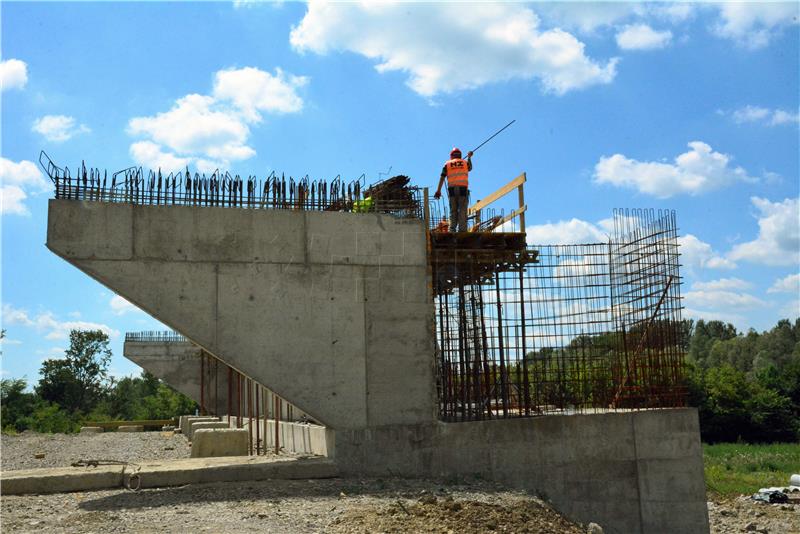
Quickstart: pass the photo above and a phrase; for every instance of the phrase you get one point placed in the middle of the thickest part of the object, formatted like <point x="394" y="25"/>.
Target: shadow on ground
<point x="277" y="490"/>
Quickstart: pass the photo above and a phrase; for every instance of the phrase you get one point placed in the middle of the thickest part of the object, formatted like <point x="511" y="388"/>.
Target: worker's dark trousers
<point x="459" y="202"/>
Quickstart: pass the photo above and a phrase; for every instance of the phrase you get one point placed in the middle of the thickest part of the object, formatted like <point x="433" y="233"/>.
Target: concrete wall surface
<point x="329" y="310"/>
<point x="634" y="472"/>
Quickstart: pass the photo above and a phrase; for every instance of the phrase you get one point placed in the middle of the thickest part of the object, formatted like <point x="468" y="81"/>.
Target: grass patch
<point x="736" y="468"/>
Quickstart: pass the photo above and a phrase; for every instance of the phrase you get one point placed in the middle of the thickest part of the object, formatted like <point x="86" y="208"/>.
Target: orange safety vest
<point x="457" y="173"/>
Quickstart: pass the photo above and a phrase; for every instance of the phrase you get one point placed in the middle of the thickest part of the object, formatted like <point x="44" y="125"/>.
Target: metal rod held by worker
<point x="493" y="136"/>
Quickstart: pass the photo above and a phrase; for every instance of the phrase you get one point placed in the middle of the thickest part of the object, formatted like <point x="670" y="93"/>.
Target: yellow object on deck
<point x="363" y="206"/>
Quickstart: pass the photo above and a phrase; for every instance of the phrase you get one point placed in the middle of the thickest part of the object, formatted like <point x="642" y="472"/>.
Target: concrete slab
<point x="163" y="474"/>
<point x="130" y="428"/>
<point x="91" y="430"/>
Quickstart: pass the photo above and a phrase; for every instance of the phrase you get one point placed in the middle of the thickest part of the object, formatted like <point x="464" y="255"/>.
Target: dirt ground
<point x="290" y="506"/>
<point x="336" y="505"/>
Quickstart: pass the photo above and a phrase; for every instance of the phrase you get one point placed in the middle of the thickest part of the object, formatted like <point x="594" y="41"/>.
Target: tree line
<point x="77" y="388"/>
<point x="746" y="386"/>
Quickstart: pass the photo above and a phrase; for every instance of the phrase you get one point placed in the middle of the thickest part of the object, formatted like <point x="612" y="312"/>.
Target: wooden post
<point x="426" y="208"/>
<point x="521" y="190"/>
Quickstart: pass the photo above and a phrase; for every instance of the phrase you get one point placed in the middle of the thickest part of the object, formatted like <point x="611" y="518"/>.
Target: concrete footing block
<point x="220" y="442"/>
<point x="185" y="421"/>
<point x="91" y="430"/>
<point x="205" y="425"/>
<point x="130" y="428"/>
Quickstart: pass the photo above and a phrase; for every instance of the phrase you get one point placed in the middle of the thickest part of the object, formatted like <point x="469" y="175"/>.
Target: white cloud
<point x="13" y="74"/>
<point x="723" y="284"/>
<point x="697" y="254"/>
<point x="787" y="284"/>
<point x="449" y="47"/>
<point x="17" y="179"/>
<point x="780" y="116"/>
<point x="573" y="231"/>
<point x="588" y="17"/>
<point x="253" y="90"/>
<point x="24" y="173"/>
<point x="736" y="319"/>
<point x="674" y="12"/>
<point x="778" y="241"/>
<point x="721" y="300"/>
<point x="58" y="128"/>
<point x="195" y="125"/>
<point x="694" y="172"/>
<point x="120" y="306"/>
<point x="15" y="316"/>
<point x="12" y="201"/>
<point x="48" y="324"/>
<point x="642" y="37"/>
<point x="769" y="117"/>
<point x="754" y="24"/>
<point x="150" y="155"/>
<point x="211" y="131"/>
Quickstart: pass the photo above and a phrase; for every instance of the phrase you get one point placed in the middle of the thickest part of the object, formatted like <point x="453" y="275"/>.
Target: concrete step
<point x="163" y="474"/>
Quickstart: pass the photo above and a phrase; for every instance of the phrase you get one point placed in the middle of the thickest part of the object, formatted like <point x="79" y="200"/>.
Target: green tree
<point x="704" y="336"/>
<point x="79" y="380"/>
<point x="126" y="398"/>
<point x="724" y="412"/>
<point x="165" y="403"/>
<point x="17" y="404"/>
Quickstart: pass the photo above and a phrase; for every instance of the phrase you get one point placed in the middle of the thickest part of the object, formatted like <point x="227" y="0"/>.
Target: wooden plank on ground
<point x="145" y="422"/>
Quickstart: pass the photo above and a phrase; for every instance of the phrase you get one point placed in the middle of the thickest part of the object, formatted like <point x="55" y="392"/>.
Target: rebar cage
<point x="136" y="185"/>
<point x="561" y="328"/>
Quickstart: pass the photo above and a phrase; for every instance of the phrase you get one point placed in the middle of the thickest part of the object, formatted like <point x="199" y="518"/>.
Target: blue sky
<point x="692" y="107"/>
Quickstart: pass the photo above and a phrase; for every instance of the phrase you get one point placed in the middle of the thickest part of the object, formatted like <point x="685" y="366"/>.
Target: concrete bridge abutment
<point x="333" y="311"/>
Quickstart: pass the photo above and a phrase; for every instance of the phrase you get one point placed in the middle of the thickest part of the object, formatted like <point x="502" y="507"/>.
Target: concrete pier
<point x="178" y="363"/>
<point x="329" y="310"/>
<point x="333" y="312"/>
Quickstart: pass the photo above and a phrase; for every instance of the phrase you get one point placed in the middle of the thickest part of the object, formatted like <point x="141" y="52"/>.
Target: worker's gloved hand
<point x="437" y="195"/>
<point x="469" y="154"/>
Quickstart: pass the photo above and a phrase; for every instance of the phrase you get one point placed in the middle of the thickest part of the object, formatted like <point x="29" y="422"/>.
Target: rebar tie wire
<point x="125" y="483"/>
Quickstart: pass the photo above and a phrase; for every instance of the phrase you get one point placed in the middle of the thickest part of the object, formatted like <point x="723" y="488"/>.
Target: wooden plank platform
<point x="505" y="241"/>
<point x="467" y="258"/>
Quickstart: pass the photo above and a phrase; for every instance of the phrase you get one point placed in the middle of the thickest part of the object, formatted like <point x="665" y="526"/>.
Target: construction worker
<point x="456" y="170"/>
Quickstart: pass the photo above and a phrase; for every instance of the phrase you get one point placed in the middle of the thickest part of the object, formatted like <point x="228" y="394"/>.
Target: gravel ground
<point x="743" y="514"/>
<point x="61" y="450"/>
<point x="290" y="506"/>
<point x="337" y="506"/>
